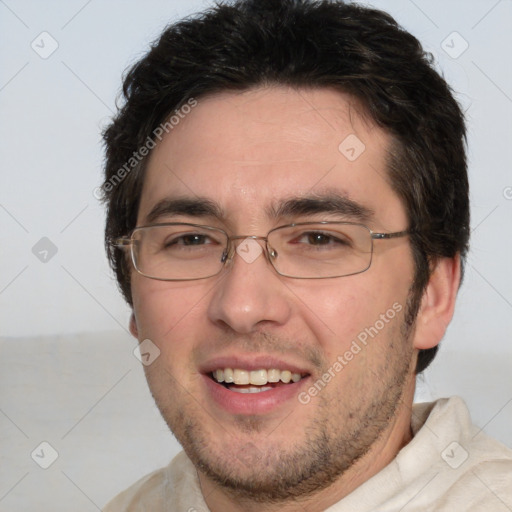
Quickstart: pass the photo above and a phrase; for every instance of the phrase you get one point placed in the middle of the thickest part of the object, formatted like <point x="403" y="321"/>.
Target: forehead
<point x="247" y="151"/>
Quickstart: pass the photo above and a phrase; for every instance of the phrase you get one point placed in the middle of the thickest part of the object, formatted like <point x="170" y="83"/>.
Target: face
<point x="249" y="154"/>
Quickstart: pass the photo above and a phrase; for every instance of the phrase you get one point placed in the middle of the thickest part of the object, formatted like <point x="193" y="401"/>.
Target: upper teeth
<point x="255" y="377"/>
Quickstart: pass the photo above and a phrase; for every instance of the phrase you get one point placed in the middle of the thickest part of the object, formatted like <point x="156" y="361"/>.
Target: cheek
<point x="339" y="311"/>
<point x="167" y="311"/>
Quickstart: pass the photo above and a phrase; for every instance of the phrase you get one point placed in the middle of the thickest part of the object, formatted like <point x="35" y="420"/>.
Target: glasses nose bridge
<point x="232" y="245"/>
<point x="244" y="237"/>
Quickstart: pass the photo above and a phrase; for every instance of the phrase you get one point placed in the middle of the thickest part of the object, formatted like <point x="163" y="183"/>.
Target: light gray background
<point x="67" y="372"/>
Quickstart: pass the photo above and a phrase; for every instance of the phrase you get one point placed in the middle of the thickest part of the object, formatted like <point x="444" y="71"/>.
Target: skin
<point x="229" y="149"/>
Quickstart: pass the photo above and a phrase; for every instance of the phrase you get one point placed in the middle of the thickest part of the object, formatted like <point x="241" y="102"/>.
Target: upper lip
<point x="254" y="362"/>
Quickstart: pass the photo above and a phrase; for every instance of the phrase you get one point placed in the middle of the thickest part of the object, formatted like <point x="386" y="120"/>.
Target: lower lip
<point x="252" y="403"/>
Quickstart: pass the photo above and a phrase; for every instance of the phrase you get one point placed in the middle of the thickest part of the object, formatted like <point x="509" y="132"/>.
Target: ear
<point x="133" y="326"/>
<point x="437" y="303"/>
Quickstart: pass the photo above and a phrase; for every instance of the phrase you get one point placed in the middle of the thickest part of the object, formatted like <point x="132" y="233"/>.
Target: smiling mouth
<point x="254" y="381"/>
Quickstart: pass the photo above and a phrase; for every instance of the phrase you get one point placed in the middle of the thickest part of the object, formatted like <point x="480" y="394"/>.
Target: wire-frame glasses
<point x="303" y="250"/>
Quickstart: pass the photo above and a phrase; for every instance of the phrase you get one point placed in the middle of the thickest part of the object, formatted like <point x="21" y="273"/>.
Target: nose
<point x="249" y="294"/>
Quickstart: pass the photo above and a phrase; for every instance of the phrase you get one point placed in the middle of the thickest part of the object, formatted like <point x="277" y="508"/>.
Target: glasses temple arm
<point x="385" y="236"/>
<point x="120" y="242"/>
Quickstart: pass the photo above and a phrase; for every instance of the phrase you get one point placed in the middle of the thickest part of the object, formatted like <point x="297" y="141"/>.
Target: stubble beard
<point x="270" y="474"/>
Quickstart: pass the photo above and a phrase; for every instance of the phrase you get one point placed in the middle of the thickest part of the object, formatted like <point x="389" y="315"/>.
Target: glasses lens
<point x="178" y="251"/>
<point x="321" y="250"/>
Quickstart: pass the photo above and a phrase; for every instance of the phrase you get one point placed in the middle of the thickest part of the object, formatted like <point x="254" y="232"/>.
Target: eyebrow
<point x="190" y="207"/>
<point x="330" y="202"/>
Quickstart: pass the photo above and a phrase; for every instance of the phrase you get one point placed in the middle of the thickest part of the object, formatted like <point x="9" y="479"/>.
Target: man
<point x="288" y="218"/>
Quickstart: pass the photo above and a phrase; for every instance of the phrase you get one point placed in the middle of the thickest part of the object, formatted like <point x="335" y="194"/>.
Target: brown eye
<point x="193" y="239"/>
<point x="318" y="239"/>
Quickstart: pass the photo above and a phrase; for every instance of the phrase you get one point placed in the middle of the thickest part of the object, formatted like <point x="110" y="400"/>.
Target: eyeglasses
<point x="304" y="250"/>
